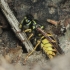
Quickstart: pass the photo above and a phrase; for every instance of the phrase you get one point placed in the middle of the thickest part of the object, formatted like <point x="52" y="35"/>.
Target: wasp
<point x="38" y="36"/>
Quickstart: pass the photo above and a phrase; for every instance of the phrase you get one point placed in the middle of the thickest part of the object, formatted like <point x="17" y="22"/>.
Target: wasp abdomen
<point x="48" y="48"/>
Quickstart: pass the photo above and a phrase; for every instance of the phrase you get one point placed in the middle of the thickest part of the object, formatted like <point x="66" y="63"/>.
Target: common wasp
<point x="37" y="35"/>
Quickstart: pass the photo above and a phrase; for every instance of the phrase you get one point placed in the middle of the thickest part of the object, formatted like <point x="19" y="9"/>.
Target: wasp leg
<point x="52" y="38"/>
<point x="38" y="42"/>
<point x="30" y="36"/>
<point x="27" y="30"/>
<point x="49" y="34"/>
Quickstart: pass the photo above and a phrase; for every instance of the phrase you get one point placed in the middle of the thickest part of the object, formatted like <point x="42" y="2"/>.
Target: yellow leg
<point x="30" y="36"/>
<point x="27" y="30"/>
<point x="31" y="51"/>
<point x="51" y="36"/>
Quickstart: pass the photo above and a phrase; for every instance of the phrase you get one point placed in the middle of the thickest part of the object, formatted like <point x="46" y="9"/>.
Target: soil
<point x="11" y="47"/>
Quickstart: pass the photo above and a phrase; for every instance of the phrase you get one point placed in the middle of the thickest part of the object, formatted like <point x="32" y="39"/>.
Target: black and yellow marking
<point x="42" y="41"/>
<point x="48" y="48"/>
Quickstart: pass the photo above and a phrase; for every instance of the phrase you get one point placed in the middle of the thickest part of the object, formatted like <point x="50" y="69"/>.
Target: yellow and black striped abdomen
<point x="48" y="48"/>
